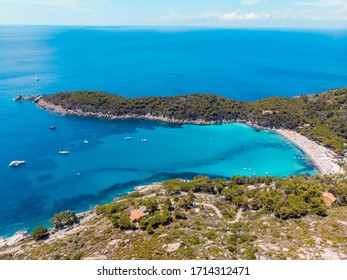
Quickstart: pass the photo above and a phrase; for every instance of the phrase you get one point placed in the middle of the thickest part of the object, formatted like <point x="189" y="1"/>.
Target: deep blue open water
<point x="239" y="64"/>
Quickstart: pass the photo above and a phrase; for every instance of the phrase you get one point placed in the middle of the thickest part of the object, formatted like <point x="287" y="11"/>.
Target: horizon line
<point x="180" y="27"/>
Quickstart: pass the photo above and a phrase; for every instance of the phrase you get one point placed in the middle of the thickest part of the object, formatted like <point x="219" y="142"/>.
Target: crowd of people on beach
<point x="320" y="155"/>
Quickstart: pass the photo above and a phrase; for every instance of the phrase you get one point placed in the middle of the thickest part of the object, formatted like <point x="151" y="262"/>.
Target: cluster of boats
<point x="65" y="152"/>
<point x="129" y="138"/>
<point x="16" y="163"/>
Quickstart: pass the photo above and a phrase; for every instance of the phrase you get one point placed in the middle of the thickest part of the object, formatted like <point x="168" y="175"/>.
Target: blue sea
<point x="240" y="64"/>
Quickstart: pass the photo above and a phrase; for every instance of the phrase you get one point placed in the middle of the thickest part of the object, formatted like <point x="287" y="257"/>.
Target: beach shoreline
<point x="318" y="154"/>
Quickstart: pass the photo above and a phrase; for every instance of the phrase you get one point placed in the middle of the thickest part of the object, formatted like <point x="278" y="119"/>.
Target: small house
<point x="136" y="215"/>
<point x="328" y="198"/>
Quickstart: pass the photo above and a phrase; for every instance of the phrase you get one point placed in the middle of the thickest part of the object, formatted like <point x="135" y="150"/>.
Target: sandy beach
<point x="317" y="153"/>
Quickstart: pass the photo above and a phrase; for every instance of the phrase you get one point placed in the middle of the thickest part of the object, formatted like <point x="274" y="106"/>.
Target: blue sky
<point x="214" y="13"/>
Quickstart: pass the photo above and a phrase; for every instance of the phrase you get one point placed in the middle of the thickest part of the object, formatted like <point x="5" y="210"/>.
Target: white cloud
<point x="230" y="16"/>
<point x="252" y="2"/>
<point x="236" y="15"/>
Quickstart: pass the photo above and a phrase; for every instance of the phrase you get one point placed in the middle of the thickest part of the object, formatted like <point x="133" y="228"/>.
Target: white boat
<point x="16" y="163"/>
<point x="144" y="140"/>
<point x="64" y="152"/>
<point x="37" y="79"/>
<point x="127" y="138"/>
<point x="85" y="142"/>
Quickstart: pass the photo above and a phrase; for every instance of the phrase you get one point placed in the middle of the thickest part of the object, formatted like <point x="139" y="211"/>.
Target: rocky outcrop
<point x="33" y="98"/>
<point x="18" y="98"/>
<point x="77" y="112"/>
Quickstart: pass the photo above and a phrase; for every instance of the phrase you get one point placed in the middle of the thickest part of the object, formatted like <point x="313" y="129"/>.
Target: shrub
<point x="40" y="233"/>
<point x="180" y="215"/>
<point x="122" y="221"/>
<point x="195" y="240"/>
<point x="64" y="218"/>
<point x="149" y="229"/>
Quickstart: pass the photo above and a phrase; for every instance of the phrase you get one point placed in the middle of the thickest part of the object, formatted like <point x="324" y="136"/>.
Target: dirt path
<point x="218" y="212"/>
<point x="237" y="218"/>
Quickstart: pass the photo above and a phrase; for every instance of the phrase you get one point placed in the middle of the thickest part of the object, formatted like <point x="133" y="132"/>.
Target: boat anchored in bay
<point x="16" y="163"/>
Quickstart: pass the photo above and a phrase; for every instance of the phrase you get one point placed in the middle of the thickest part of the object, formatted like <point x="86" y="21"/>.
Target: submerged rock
<point x="18" y="98"/>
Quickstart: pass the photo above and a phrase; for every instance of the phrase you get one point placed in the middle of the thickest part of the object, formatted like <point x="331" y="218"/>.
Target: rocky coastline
<point x="43" y="104"/>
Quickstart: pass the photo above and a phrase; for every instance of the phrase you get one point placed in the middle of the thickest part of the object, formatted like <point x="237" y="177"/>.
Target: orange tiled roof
<point x="136" y="215"/>
<point x="328" y="198"/>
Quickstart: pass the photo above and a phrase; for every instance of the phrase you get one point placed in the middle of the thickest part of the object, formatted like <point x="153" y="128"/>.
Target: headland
<point x="314" y="123"/>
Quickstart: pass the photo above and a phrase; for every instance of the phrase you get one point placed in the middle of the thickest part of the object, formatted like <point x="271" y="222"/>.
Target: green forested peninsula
<point x="321" y="117"/>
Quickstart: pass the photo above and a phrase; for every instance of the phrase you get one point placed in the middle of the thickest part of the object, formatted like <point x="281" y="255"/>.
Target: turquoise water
<point x="135" y="62"/>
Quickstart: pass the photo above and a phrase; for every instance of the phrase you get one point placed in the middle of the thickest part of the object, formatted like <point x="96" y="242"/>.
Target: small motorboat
<point x="64" y="152"/>
<point x="143" y="140"/>
<point x="16" y="163"/>
<point x="127" y="138"/>
<point x="52" y="127"/>
<point x="37" y="79"/>
<point x="85" y="142"/>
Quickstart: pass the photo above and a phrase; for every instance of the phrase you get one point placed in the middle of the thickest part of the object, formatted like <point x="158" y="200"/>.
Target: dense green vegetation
<point x="40" y="233"/>
<point x="286" y="198"/>
<point x="64" y="218"/>
<point x="325" y="112"/>
<point x="291" y="197"/>
<point x="240" y="218"/>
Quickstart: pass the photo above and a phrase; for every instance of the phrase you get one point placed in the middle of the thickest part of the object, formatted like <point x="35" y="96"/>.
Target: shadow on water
<point x="119" y="189"/>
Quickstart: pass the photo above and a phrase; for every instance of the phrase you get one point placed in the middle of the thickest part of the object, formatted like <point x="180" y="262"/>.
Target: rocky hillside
<point x="244" y="218"/>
